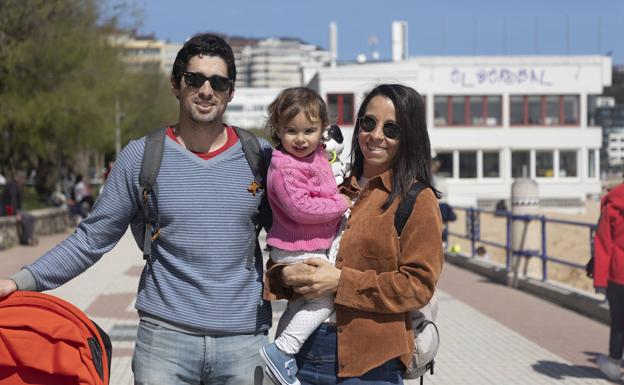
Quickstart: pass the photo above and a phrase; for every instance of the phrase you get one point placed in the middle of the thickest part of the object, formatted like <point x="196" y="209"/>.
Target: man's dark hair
<point x="203" y="44"/>
<point x="413" y="159"/>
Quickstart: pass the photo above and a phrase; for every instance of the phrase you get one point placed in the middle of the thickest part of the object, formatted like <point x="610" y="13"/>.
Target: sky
<point x="435" y="27"/>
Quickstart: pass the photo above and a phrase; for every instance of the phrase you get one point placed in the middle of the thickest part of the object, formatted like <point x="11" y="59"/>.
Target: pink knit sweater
<point x="305" y="202"/>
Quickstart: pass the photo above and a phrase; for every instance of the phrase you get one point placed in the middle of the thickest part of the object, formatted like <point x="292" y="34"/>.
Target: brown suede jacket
<point x="382" y="277"/>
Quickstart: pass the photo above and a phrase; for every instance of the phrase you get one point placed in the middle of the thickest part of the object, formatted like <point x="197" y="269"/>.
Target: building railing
<point x="473" y="234"/>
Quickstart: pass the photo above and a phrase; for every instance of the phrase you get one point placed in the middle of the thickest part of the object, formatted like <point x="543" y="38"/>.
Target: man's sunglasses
<point x="368" y="123"/>
<point x="197" y="80"/>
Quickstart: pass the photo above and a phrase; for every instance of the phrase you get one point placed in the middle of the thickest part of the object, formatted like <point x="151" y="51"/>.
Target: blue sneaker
<point x="281" y="367"/>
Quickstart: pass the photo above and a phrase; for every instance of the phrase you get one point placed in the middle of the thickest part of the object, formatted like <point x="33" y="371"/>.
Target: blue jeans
<point x="318" y="364"/>
<point x="164" y="356"/>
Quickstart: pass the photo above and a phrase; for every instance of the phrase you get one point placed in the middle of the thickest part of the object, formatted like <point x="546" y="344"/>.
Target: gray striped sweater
<point x="197" y="278"/>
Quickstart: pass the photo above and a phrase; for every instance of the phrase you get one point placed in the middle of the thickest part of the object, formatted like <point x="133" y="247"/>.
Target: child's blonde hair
<point x="289" y="103"/>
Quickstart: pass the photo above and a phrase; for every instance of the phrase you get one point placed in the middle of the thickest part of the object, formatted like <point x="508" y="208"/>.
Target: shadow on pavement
<point x="561" y="371"/>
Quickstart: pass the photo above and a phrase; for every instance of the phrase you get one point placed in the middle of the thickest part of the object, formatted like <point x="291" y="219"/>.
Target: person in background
<point x="378" y="278"/>
<point x="83" y="200"/>
<point x="11" y="205"/>
<point x="446" y="210"/>
<point x="105" y="175"/>
<point x="609" y="275"/>
<point x="448" y="215"/>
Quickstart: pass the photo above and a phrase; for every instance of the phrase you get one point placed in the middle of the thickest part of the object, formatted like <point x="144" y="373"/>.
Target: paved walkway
<point x="490" y="334"/>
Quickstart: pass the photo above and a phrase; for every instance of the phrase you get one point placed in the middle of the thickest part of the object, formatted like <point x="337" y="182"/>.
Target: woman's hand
<point x="313" y="278"/>
<point x="292" y="274"/>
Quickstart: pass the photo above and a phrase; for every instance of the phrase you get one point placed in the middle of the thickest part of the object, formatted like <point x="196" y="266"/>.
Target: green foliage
<point x="60" y="80"/>
<point x="147" y="103"/>
<point x="31" y="200"/>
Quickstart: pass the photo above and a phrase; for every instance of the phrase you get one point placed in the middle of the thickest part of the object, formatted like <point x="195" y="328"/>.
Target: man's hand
<point x="7" y="286"/>
<point x="320" y="282"/>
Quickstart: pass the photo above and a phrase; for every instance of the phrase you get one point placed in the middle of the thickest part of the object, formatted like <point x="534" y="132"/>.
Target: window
<point x="340" y="108"/>
<point x="520" y="164"/>
<point x="534" y="109"/>
<point x="571" y="110"/>
<point x="491" y="164"/>
<point x="567" y="164"/>
<point x="458" y="114"/>
<point x="440" y="111"/>
<point x="467" y="164"/>
<point x="516" y="110"/>
<point x="494" y="111"/>
<point x="446" y="164"/>
<point x="476" y="111"/>
<point x="551" y="110"/>
<point x="473" y="110"/>
<point x="544" y="164"/>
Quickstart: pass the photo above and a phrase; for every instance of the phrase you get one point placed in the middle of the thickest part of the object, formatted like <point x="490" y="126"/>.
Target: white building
<point x="492" y="119"/>
<point x="278" y="62"/>
<point x="146" y="53"/>
<point x="248" y="108"/>
<point x="615" y="147"/>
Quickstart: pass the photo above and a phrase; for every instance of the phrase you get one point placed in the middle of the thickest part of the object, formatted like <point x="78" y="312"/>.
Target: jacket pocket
<point x="381" y="261"/>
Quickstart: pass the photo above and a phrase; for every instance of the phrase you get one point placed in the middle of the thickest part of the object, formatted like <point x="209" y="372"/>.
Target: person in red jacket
<point x="609" y="274"/>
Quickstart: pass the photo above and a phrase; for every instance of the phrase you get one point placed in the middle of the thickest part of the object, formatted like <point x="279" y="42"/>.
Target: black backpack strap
<point x="259" y="165"/>
<point x="406" y="206"/>
<point x="255" y="158"/>
<point x="150" y="165"/>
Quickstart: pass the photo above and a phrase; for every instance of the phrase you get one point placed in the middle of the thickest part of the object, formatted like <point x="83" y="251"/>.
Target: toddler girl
<point x="307" y="208"/>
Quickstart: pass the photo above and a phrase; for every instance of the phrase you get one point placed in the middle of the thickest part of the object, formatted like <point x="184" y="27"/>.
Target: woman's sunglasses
<point x="368" y="123"/>
<point x="197" y="80"/>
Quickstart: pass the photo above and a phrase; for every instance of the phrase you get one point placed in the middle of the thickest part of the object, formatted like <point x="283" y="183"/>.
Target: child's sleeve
<point x="301" y="199"/>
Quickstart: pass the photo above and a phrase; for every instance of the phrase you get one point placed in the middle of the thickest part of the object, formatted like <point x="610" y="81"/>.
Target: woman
<point x="378" y="278"/>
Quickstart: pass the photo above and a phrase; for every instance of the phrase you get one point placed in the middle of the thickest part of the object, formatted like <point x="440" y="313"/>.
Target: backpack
<point x="46" y="340"/>
<point x="426" y="335"/>
<point x="150" y="165"/>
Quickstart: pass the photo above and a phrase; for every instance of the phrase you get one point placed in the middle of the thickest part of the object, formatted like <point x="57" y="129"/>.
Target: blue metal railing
<point x="473" y="234"/>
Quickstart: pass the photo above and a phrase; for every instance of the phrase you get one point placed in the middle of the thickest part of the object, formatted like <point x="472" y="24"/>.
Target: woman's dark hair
<point x="203" y="44"/>
<point x="413" y="158"/>
<point x="288" y="104"/>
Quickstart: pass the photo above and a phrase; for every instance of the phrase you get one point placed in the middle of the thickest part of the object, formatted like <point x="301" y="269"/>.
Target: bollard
<point x="525" y="230"/>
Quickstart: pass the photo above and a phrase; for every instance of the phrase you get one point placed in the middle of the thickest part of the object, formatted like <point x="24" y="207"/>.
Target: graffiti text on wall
<point x="505" y="76"/>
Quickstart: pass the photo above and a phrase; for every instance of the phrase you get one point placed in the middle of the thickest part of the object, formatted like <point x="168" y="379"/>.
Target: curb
<point x="588" y="304"/>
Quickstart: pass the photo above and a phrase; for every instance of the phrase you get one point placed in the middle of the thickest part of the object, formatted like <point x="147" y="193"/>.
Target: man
<point x="202" y="317"/>
<point x="11" y="205"/>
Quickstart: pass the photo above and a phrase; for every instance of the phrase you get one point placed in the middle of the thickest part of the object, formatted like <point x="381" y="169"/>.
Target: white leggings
<point x="302" y="316"/>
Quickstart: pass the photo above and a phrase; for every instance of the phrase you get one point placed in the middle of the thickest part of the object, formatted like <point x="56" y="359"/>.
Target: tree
<point x="60" y="79"/>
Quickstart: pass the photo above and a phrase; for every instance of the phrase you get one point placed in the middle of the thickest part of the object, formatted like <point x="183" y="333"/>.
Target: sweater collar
<point x="382" y="180"/>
